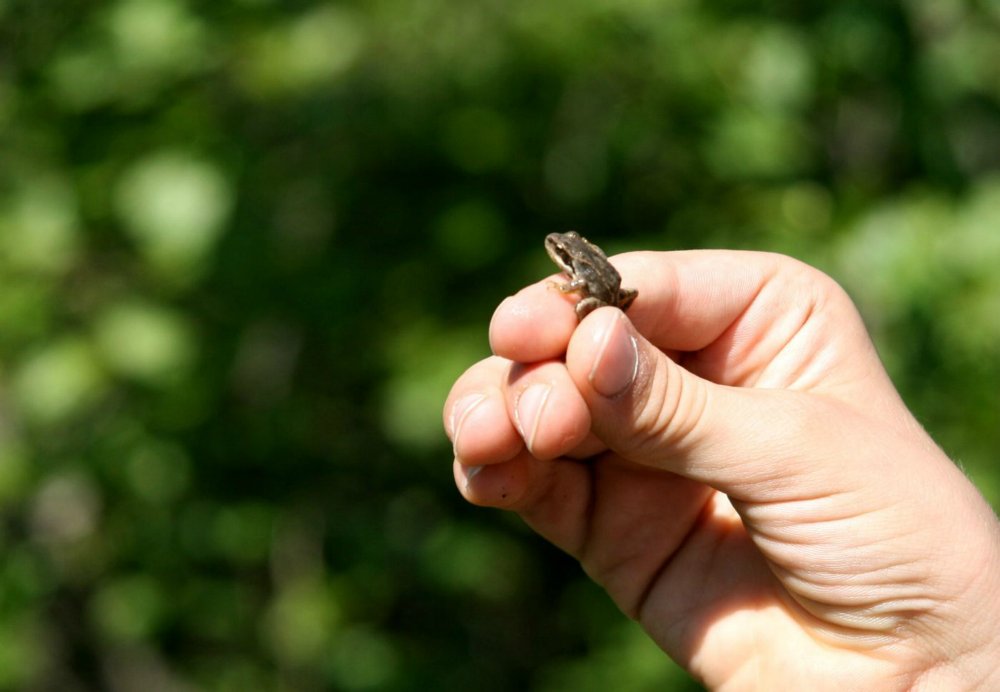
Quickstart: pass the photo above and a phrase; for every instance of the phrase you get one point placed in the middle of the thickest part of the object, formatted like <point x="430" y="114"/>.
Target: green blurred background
<point x="246" y="246"/>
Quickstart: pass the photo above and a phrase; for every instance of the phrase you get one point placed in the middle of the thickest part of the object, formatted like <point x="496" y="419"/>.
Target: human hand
<point x="732" y="463"/>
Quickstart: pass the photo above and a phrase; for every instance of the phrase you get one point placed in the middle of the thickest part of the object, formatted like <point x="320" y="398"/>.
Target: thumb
<point x="752" y="444"/>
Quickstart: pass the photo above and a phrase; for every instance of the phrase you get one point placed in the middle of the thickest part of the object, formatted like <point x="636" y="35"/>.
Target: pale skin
<point x="732" y="464"/>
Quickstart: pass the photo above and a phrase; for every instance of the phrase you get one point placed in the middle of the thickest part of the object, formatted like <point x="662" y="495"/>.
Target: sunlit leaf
<point x="304" y="52"/>
<point x="145" y="342"/>
<point x="129" y="608"/>
<point x="155" y="34"/>
<point x="301" y="621"/>
<point x="39" y="226"/>
<point x="57" y="381"/>
<point x="175" y="207"/>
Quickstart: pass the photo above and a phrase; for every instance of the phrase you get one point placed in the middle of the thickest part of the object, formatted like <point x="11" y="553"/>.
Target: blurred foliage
<point x="245" y="246"/>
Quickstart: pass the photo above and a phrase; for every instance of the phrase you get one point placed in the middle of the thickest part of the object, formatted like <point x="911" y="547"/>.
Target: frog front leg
<point x="571" y="286"/>
<point x="587" y="302"/>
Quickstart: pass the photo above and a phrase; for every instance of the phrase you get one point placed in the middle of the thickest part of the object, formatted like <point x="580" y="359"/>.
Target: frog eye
<point x="563" y="254"/>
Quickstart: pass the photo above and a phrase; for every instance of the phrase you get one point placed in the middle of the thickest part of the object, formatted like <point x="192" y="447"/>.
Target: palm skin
<point x="734" y="466"/>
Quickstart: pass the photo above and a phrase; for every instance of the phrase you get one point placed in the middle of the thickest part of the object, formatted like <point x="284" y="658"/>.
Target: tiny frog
<point x="590" y="273"/>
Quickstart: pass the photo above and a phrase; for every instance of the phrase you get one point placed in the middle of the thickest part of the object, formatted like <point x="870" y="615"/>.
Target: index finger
<point x="686" y="300"/>
<point x="724" y="314"/>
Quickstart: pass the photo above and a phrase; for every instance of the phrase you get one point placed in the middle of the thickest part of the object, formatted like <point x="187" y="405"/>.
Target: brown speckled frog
<point x="590" y="274"/>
